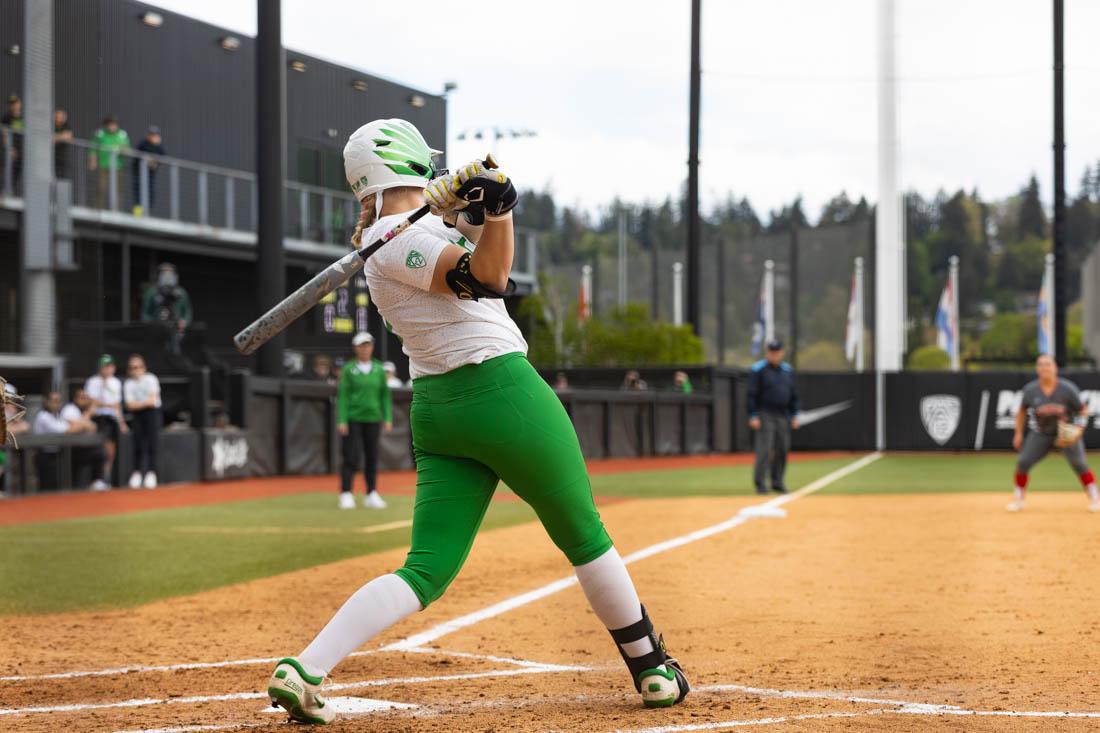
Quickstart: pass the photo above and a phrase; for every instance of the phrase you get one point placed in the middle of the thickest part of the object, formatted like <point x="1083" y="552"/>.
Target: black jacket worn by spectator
<point x="772" y="389"/>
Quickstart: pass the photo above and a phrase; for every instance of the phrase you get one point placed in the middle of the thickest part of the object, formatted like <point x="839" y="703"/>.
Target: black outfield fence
<point x="288" y="427"/>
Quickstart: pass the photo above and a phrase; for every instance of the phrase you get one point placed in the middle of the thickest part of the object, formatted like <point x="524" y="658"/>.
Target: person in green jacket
<point x="363" y="409"/>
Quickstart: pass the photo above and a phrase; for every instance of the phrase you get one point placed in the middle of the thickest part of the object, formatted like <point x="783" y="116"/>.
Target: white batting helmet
<point x="385" y="154"/>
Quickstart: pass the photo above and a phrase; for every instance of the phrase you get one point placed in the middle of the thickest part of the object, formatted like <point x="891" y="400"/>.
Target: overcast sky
<point x="788" y="89"/>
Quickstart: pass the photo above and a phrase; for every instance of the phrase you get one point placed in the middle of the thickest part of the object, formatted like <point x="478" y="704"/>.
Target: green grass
<point x="963" y="472"/>
<point x="131" y="559"/>
<point x="719" y="481"/>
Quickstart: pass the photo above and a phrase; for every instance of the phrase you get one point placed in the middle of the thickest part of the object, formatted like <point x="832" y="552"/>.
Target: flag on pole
<point x="947" y="317"/>
<point x="853" y="333"/>
<point x="763" y="326"/>
<point x="1045" y="311"/>
<point x="584" y="295"/>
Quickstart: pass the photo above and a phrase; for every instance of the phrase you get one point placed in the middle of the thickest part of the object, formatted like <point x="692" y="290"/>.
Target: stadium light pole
<point x="1059" y="233"/>
<point x="889" y="251"/>
<point x="270" y="172"/>
<point x="692" y="212"/>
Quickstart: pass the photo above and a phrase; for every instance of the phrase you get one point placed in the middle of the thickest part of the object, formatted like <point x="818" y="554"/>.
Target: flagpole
<point x="956" y="337"/>
<point x="859" y="314"/>
<point x="1046" y="293"/>
<point x="586" y="292"/>
<point x="677" y="293"/>
<point x="769" y="301"/>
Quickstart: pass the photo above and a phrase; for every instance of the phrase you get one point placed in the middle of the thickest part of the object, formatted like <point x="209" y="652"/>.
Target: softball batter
<point x="480" y="414"/>
<point x="1049" y="401"/>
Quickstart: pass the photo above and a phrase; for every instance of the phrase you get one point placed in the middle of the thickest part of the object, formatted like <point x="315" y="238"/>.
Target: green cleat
<point x="298" y="692"/>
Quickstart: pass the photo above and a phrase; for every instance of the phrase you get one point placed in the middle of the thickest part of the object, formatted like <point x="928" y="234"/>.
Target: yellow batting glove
<point x="440" y="196"/>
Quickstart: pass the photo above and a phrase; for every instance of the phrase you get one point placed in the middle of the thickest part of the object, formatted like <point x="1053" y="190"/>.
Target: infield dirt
<point x="932" y="599"/>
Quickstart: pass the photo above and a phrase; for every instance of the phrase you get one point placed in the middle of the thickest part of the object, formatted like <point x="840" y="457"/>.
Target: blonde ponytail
<point x="367" y="217"/>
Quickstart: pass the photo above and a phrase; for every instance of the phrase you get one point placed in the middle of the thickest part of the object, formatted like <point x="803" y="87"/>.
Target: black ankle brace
<point x="637" y="631"/>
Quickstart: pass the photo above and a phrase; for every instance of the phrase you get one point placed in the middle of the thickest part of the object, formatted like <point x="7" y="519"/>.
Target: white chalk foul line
<point x="115" y="671"/>
<point x="523" y="599"/>
<point x="329" y="688"/>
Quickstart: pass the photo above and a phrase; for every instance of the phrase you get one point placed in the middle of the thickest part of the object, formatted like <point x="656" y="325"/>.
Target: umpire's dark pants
<point x="361" y="435"/>
<point x="773" y="443"/>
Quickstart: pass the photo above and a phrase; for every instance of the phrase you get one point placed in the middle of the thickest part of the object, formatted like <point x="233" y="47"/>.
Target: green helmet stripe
<point x="404" y="137"/>
<point x="410" y="131"/>
<point x="395" y="155"/>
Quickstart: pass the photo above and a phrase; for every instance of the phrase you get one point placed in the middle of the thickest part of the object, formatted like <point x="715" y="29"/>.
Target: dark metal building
<point x="195" y="82"/>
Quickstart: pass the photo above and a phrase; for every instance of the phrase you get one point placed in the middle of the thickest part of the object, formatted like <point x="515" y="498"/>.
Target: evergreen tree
<point x="1032" y="220"/>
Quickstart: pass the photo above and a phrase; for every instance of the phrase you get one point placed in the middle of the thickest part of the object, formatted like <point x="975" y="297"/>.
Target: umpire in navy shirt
<point x="773" y="413"/>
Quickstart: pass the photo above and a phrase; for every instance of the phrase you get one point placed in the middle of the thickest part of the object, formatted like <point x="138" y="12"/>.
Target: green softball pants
<point x="475" y="426"/>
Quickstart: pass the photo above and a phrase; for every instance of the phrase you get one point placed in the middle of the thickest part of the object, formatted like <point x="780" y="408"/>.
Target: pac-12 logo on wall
<point x="940" y="414"/>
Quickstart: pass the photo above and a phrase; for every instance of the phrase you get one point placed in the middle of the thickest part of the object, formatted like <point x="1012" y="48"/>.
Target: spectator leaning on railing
<point x="49" y="421"/>
<point x="151" y="145"/>
<point x="87" y="459"/>
<point x="11" y="132"/>
<point x="681" y="383"/>
<point x="105" y="391"/>
<point x="142" y="392"/>
<point x="110" y="142"/>
<point x="321" y="369"/>
<point x="62" y="139"/>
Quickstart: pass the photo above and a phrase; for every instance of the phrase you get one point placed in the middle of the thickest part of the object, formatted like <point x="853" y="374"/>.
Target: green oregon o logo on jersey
<point x="415" y="260"/>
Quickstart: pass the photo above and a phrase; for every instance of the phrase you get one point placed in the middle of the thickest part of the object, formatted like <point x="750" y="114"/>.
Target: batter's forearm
<point x="491" y="262"/>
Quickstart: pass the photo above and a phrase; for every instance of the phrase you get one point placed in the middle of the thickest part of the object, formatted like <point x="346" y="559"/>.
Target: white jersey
<point x="107" y="392"/>
<point x="439" y="332"/>
<point x="142" y="388"/>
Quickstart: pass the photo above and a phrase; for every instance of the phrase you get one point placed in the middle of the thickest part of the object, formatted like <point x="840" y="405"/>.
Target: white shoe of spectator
<point x="150" y="480"/>
<point x="374" y="501"/>
<point x="135" y="480"/>
<point x="100" y="485"/>
<point x="347" y="501"/>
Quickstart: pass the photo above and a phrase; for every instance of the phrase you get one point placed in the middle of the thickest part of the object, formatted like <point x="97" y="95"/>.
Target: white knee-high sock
<point x="611" y="593"/>
<point x="371" y="610"/>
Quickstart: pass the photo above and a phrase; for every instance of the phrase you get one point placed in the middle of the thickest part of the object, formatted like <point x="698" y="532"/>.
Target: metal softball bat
<point x="295" y="305"/>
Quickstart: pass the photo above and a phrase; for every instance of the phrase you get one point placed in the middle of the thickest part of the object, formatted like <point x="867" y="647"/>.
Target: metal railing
<point x="141" y="185"/>
<point x="145" y="185"/>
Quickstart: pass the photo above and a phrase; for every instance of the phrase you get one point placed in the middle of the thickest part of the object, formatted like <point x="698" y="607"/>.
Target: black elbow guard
<point x="468" y="287"/>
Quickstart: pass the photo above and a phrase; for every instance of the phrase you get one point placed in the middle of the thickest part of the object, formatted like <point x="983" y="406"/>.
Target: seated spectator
<point x="105" y="391"/>
<point x="681" y="383"/>
<point x="111" y="142"/>
<point x="142" y="393"/>
<point x="48" y="421"/>
<point x="392" y="380"/>
<point x="322" y="369"/>
<point x="62" y="139"/>
<point x="87" y="459"/>
<point x="166" y="300"/>
<point x="561" y="382"/>
<point x="633" y="381"/>
<point x="151" y="145"/>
